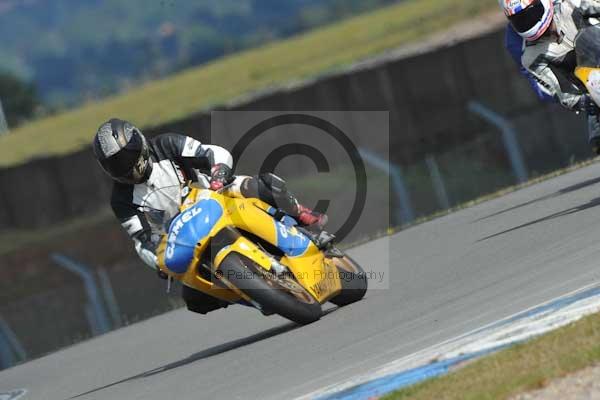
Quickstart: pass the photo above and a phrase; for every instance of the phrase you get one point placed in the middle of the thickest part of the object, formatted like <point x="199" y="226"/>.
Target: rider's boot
<point x="311" y="219"/>
<point x="313" y="223"/>
<point x="273" y="190"/>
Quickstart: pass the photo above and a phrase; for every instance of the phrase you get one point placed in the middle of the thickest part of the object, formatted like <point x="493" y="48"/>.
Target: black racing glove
<point x="220" y="175"/>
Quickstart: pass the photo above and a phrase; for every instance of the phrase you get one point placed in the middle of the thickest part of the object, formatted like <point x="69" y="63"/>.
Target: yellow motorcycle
<point x="235" y="250"/>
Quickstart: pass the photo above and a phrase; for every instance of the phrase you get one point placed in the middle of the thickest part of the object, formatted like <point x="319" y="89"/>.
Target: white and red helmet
<point x="529" y="18"/>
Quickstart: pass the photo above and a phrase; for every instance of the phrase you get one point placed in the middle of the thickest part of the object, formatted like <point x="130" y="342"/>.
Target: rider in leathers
<point x="541" y="37"/>
<point x="141" y="166"/>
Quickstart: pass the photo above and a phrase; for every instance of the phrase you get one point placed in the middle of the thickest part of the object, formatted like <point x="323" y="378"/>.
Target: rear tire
<point x="354" y="282"/>
<point x="242" y="273"/>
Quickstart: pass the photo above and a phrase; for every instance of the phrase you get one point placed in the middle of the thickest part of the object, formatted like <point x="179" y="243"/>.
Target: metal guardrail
<point x="405" y="208"/>
<point x="11" y="349"/>
<point x="95" y="310"/>
<point x="509" y="137"/>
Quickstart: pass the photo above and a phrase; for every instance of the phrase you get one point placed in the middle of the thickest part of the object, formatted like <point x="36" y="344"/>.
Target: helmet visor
<point x="130" y="163"/>
<point x="528" y="18"/>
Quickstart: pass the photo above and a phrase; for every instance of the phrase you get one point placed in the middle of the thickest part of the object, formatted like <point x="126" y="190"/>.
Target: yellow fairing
<point x="247" y="248"/>
<point x="583" y="73"/>
<point x="313" y="271"/>
<point x="316" y="274"/>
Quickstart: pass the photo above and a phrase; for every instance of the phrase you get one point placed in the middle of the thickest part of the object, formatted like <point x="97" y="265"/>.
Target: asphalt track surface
<point x="447" y="277"/>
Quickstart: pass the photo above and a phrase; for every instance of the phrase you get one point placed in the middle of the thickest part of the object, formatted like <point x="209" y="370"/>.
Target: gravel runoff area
<point x="584" y="384"/>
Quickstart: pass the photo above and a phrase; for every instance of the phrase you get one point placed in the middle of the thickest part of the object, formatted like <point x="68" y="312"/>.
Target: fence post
<point x="3" y="123"/>
<point x="406" y="212"/>
<point x="11" y="350"/>
<point x="97" y="312"/>
<point x="509" y="137"/>
<point x="10" y="335"/>
<point x="439" y="187"/>
<point x="111" y="299"/>
<point x="7" y="357"/>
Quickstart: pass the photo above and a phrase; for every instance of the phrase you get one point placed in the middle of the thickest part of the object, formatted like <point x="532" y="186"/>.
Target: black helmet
<point x="123" y="152"/>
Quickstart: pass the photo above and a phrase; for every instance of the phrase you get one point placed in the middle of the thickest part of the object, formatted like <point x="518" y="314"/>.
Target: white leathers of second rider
<point x="553" y="53"/>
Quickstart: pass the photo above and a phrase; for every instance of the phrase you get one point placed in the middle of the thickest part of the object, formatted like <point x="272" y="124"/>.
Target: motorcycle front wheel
<point x="353" y="279"/>
<point x="279" y="295"/>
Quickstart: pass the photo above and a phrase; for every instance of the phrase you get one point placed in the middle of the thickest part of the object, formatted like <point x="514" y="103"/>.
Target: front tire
<point x="248" y="277"/>
<point x="353" y="279"/>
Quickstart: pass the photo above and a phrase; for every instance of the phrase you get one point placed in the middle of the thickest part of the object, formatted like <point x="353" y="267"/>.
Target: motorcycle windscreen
<point x="187" y="230"/>
<point x="587" y="47"/>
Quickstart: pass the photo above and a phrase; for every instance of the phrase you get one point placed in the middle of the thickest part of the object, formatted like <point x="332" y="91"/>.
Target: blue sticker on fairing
<point x="288" y="221"/>
<point x="291" y="241"/>
<point x="186" y="230"/>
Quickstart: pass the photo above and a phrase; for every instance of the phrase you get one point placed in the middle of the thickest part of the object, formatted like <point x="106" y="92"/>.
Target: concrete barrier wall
<point x="426" y="95"/>
<point x="46" y="191"/>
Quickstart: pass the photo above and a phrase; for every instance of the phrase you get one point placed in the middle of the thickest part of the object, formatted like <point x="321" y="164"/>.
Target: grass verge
<point x="524" y="367"/>
<point x="323" y="50"/>
<point x="521" y="368"/>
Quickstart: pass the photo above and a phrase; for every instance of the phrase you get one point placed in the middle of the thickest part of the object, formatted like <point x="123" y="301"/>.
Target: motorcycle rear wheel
<point x="270" y="292"/>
